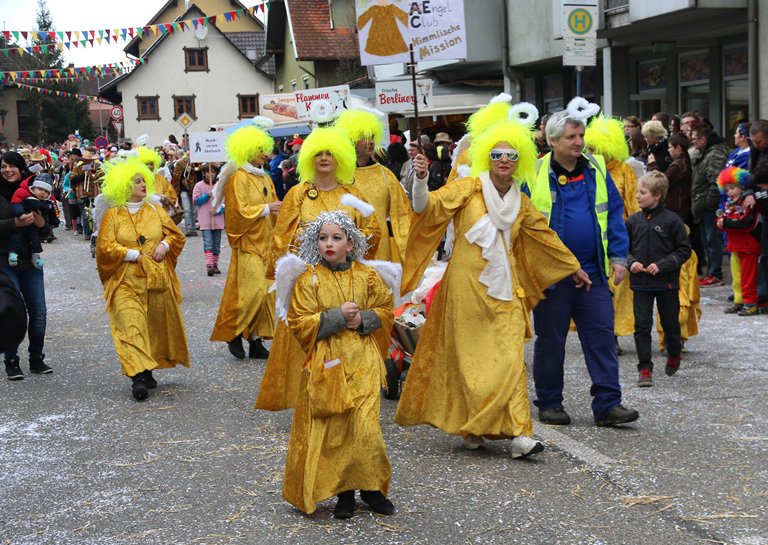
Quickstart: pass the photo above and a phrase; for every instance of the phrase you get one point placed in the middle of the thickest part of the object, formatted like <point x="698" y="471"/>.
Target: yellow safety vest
<point x="542" y="197"/>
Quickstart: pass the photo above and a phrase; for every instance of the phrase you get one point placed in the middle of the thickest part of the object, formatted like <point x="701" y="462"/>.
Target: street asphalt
<point x="82" y="463"/>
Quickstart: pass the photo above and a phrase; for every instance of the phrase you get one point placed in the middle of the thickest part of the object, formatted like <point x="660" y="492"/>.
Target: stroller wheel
<point x="393" y="380"/>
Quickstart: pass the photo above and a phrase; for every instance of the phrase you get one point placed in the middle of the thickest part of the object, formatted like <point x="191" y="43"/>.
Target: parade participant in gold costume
<point x="326" y="166"/>
<point x="378" y="184"/>
<point x="251" y="204"/>
<point x="605" y="136"/>
<point x="136" y="254"/>
<point x="340" y="311"/>
<point x="163" y="187"/>
<point x="468" y="375"/>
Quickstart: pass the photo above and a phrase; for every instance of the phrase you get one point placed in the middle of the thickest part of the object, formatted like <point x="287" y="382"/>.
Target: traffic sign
<point x="116" y="113"/>
<point x="185" y="120"/>
<point x="580" y="34"/>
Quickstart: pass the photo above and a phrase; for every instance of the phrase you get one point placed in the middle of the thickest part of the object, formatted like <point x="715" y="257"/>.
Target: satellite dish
<point x="201" y="32"/>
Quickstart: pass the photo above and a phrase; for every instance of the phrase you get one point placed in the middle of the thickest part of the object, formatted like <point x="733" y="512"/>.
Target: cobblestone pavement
<point x="82" y="463"/>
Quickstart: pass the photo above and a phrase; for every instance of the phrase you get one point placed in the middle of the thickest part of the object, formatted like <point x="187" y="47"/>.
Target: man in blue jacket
<point x="577" y="195"/>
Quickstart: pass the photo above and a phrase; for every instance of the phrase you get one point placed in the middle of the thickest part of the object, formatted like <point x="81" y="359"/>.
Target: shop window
<point x="184" y="105"/>
<point x="694" y="73"/>
<point x="553" y="93"/>
<point x="147" y="108"/>
<point x="736" y="86"/>
<point x="247" y="105"/>
<point x="196" y="59"/>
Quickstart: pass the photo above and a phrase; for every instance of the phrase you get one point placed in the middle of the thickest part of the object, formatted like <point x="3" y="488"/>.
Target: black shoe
<point x="618" y="415"/>
<point x="345" y="506"/>
<point x="256" y="350"/>
<point x="12" y="368"/>
<point x="190" y="234"/>
<point x="555" y="417"/>
<point x="619" y="351"/>
<point x="216" y="269"/>
<point x="149" y="380"/>
<point x="210" y="271"/>
<point x="139" y="388"/>
<point x="377" y="502"/>
<point x="236" y="348"/>
<point x="37" y="366"/>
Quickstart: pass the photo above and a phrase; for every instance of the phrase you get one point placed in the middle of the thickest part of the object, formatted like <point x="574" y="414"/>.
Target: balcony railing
<point x="613" y="4"/>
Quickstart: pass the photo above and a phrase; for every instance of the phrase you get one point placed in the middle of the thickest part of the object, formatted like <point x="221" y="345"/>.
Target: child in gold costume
<point x="246" y="310"/>
<point x="468" y="376"/>
<point x="340" y="311"/>
<point x="136" y="254"/>
<point x="326" y="168"/>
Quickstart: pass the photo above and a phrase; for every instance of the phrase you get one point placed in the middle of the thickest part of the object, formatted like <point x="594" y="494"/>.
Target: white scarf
<point x="487" y="233"/>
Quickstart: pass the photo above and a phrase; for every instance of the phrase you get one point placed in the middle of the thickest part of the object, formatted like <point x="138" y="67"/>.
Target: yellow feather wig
<point x="148" y="155"/>
<point x="333" y="140"/>
<point x="605" y="136"/>
<point x="117" y="183"/>
<point x="248" y="143"/>
<point x="518" y="135"/>
<point x="487" y="116"/>
<point x="361" y="125"/>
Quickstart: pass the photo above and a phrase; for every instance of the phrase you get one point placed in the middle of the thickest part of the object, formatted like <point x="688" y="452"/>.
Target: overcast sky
<point x="84" y="15"/>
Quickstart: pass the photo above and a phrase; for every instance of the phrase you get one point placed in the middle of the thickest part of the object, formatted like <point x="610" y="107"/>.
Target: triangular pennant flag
<point x="52" y="35"/>
<point x="7" y="52"/>
<point x="227" y="16"/>
<point x="101" y="34"/>
<point x="85" y="34"/>
<point x="194" y="23"/>
<point x="91" y="42"/>
<point x="212" y="19"/>
<point x="36" y="49"/>
<point x="98" y="40"/>
<point x="107" y="38"/>
<point x="7" y="34"/>
<point x="16" y="35"/>
<point x="25" y="34"/>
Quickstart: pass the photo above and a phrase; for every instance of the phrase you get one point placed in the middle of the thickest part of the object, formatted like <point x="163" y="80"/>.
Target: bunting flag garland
<point x="53" y="92"/>
<point x="47" y="41"/>
<point x="55" y="73"/>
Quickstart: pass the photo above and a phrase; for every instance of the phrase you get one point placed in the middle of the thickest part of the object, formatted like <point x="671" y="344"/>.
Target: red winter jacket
<point x="22" y="192"/>
<point x="740" y="226"/>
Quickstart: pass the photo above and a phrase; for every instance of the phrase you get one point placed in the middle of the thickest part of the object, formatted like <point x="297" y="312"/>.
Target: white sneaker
<point x="473" y="442"/>
<point x="525" y="446"/>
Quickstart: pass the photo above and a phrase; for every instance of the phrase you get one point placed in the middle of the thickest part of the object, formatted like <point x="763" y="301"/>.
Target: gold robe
<point x="381" y="189"/>
<point x="462" y="159"/>
<point x="147" y="325"/>
<point x="468" y="375"/>
<point x="280" y="384"/>
<point x="332" y="454"/>
<point x="164" y="188"/>
<point x="626" y="182"/>
<point x="247" y="308"/>
<point x="690" y="299"/>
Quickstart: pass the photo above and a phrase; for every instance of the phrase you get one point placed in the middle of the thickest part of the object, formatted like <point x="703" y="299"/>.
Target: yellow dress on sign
<point x="626" y="183"/>
<point x="246" y="307"/>
<point x="468" y="374"/>
<point x="142" y="297"/>
<point x="381" y="189"/>
<point x="345" y="451"/>
<point x="384" y="37"/>
<point x="280" y="384"/>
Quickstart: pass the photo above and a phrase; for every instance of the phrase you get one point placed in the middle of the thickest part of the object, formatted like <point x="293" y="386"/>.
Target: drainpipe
<point x="513" y="79"/>
<point x="754" y="65"/>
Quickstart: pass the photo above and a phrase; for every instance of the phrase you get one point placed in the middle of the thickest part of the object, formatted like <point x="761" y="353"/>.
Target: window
<point x="247" y="105"/>
<point x="293" y="85"/>
<point x="694" y="70"/>
<point x="736" y="83"/>
<point x="196" y="59"/>
<point x="24" y="117"/>
<point x="184" y="105"/>
<point x="305" y="80"/>
<point x="147" y="108"/>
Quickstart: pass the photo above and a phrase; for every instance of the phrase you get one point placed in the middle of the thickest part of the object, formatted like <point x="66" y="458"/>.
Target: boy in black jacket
<point x="658" y="247"/>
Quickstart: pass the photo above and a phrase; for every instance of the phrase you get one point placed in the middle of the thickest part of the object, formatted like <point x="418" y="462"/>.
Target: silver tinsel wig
<point x="308" y="250"/>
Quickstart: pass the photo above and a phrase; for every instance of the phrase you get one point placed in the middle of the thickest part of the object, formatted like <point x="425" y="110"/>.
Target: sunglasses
<point x="497" y="153"/>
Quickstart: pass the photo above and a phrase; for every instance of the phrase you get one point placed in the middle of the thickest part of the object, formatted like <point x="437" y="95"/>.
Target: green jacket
<point x="705" y="194"/>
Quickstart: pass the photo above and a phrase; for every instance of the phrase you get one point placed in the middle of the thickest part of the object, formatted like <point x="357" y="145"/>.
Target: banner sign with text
<point x="279" y="108"/>
<point x="337" y="96"/>
<point x="207" y="147"/>
<point x="397" y="96"/>
<point x="386" y="29"/>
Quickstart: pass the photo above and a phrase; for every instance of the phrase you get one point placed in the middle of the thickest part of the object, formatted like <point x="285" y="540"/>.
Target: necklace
<point x="141" y="239"/>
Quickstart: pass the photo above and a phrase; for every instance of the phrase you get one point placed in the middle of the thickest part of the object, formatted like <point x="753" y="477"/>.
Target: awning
<point x="283" y="131"/>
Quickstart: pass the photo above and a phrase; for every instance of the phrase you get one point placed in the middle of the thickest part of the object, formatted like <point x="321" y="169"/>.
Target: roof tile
<point x="313" y="36"/>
